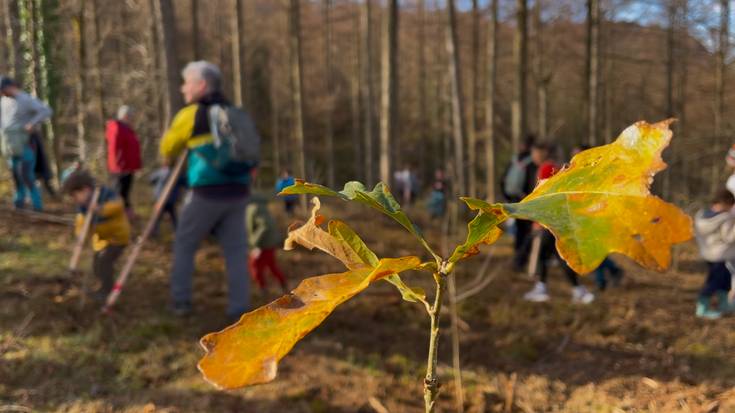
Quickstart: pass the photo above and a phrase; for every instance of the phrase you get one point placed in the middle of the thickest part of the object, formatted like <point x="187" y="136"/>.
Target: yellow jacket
<point x="110" y="225"/>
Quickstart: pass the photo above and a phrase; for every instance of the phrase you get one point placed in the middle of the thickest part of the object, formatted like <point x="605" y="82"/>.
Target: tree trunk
<point x="492" y="62"/>
<point x="670" y="65"/>
<point x="458" y="119"/>
<point x="682" y="93"/>
<point x="81" y="89"/>
<point x="195" y="43"/>
<point x="520" y="57"/>
<point x="593" y="45"/>
<point x="355" y="102"/>
<point x="326" y="10"/>
<point x="154" y="66"/>
<point x="165" y="26"/>
<point x="388" y="116"/>
<point x="297" y="89"/>
<point x="275" y="122"/>
<point x="542" y="76"/>
<point x="368" y="91"/>
<point x="33" y="46"/>
<point x="13" y="44"/>
<point x="97" y="55"/>
<point x="609" y="84"/>
<point x="238" y="56"/>
<point x="422" y="85"/>
<point x="473" y="103"/>
<point x="50" y="79"/>
<point x="722" y="47"/>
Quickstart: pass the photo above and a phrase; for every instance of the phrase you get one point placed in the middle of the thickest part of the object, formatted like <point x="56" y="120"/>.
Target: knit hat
<point x="77" y="180"/>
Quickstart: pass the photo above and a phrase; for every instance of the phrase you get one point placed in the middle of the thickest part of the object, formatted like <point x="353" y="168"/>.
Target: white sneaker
<point x="538" y="294"/>
<point x="580" y="295"/>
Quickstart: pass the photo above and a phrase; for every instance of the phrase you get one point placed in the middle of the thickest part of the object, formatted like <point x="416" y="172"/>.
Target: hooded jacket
<point x="715" y="232"/>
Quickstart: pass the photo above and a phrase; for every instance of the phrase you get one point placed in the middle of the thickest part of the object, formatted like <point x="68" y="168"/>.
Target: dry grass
<point x="637" y="349"/>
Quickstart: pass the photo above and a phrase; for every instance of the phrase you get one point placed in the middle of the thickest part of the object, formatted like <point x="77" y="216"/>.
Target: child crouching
<point x="110" y="226"/>
<point x="715" y="231"/>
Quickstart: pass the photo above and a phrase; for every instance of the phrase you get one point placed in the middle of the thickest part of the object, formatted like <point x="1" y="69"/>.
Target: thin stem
<point x="431" y="382"/>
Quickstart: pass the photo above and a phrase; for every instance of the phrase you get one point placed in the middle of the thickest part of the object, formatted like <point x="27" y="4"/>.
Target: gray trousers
<point x="226" y="219"/>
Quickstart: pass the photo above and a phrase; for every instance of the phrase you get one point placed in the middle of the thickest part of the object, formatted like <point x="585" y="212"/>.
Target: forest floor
<point x="638" y="348"/>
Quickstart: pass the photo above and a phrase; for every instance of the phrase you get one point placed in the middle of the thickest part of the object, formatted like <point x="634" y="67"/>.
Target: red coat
<point x="123" y="148"/>
<point x="547" y="169"/>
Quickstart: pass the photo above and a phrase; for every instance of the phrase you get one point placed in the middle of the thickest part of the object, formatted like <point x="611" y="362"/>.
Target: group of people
<point x="534" y="246"/>
<point x="219" y="201"/>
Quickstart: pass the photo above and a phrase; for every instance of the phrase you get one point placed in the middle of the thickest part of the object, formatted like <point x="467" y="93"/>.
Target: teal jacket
<point x="190" y="129"/>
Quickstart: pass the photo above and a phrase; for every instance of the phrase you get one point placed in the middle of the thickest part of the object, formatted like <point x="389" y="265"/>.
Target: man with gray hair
<point x="217" y="199"/>
<point x="123" y="153"/>
<point x="20" y="116"/>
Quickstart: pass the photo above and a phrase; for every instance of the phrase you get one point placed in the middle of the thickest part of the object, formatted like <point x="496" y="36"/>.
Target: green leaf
<point x="344" y="233"/>
<point x="483" y="229"/>
<point x="602" y="204"/>
<point x="248" y="352"/>
<point x="380" y="198"/>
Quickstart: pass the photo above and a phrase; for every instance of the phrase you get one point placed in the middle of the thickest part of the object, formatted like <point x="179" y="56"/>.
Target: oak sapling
<point x="599" y="204"/>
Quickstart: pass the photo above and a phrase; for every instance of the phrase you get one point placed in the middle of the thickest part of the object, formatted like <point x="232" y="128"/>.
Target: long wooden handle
<point x="534" y="255"/>
<point x="82" y="236"/>
<point x="138" y="246"/>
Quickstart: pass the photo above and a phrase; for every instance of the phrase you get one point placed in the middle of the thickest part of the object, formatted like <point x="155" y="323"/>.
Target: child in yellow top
<point x="110" y="227"/>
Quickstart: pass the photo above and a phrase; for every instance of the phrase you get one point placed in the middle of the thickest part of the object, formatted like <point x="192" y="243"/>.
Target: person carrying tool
<point x="110" y="226"/>
<point x="20" y="116"/>
<point x="219" y="161"/>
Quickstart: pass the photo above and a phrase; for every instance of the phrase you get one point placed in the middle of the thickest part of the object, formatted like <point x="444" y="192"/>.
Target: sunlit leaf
<point x="601" y="203"/>
<point x="380" y="198"/>
<point x="248" y="352"/>
<point x="311" y="235"/>
<point x="344" y="244"/>
<point x="483" y="229"/>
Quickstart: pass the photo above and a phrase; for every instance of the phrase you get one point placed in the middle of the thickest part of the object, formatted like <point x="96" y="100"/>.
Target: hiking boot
<point x="538" y="294"/>
<point x="181" y="309"/>
<point x="703" y="310"/>
<point x="580" y="295"/>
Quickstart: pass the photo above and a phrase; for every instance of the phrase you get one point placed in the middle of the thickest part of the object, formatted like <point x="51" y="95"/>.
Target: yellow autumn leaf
<point x="601" y="203"/>
<point x="248" y="352"/>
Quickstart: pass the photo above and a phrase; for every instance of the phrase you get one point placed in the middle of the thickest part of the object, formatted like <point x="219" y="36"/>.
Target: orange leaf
<point x="248" y="352"/>
<point x="311" y="236"/>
